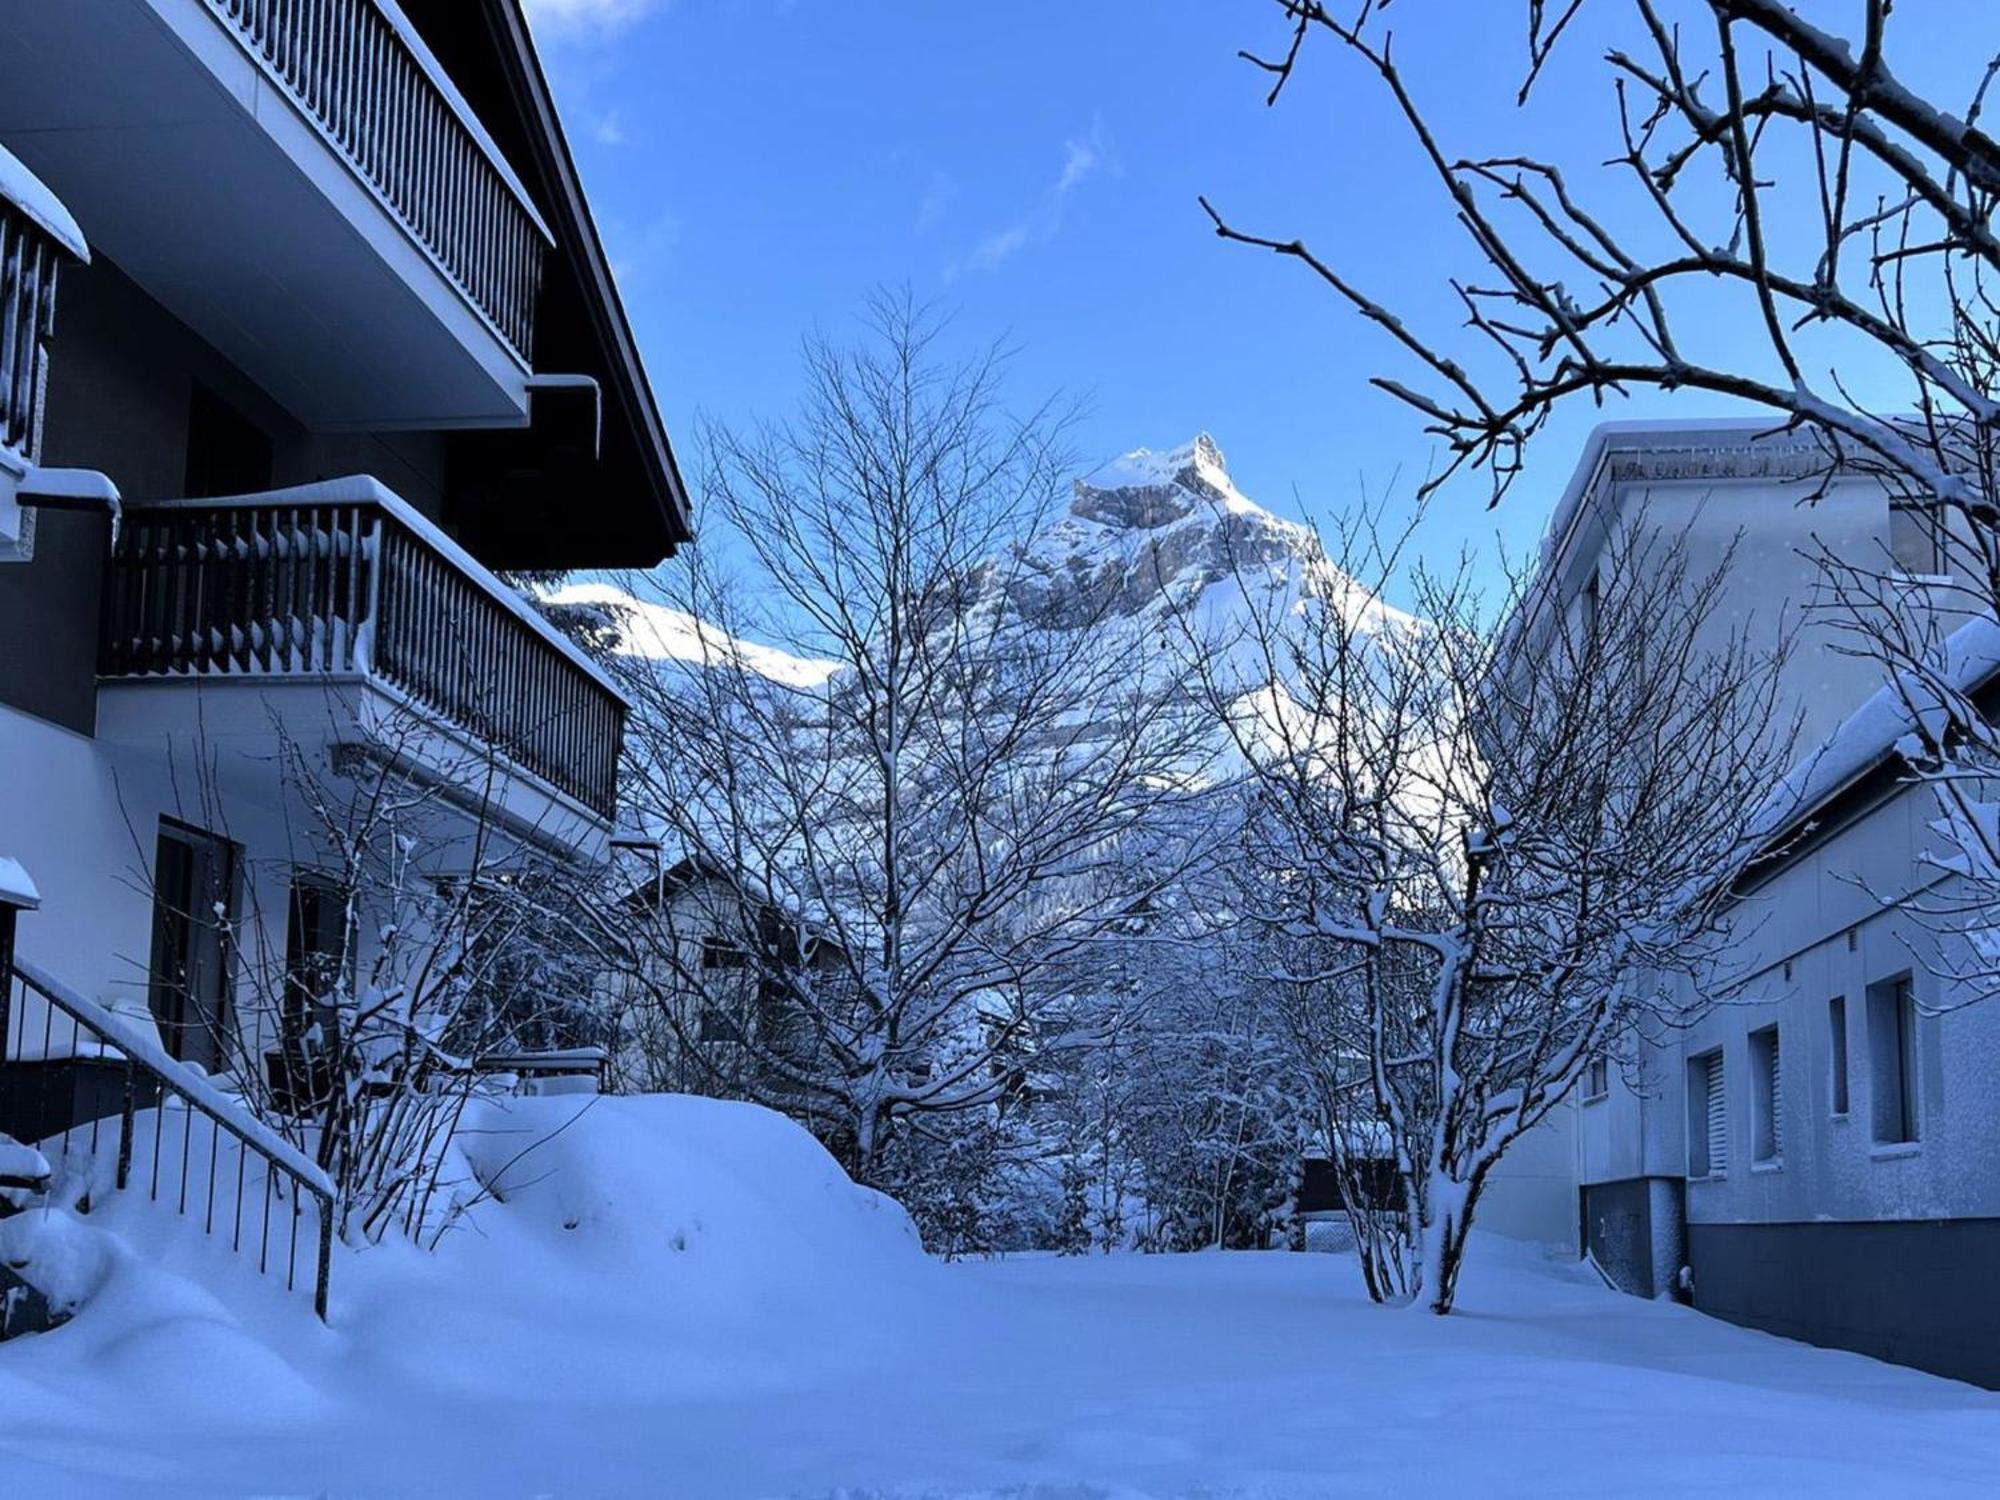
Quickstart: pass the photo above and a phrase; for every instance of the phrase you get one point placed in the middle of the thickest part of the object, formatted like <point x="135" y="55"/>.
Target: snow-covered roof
<point x="31" y="196"/>
<point x="1877" y="730"/>
<point x="17" y="888"/>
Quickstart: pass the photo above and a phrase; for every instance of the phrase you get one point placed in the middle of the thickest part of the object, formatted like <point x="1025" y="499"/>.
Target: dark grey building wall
<point x="1919" y="1292"/>
<point x="1634" y="1230"/>
<point x="121" y="381"/>
<point x="48" y="621"/>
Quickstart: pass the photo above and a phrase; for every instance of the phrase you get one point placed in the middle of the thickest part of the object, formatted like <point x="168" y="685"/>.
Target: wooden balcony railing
<point x="344" y="578"/>
<point x="36" y="237"/>
<point x="359" y="69"/>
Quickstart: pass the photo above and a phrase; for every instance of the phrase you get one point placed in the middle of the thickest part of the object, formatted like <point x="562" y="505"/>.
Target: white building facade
<point x="1817" y="1152"/>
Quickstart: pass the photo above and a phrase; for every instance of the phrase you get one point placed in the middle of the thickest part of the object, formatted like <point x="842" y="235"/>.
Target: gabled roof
<point x="630" y="506"/>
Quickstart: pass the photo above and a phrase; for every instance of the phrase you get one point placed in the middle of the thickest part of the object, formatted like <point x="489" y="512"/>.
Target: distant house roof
<point x="626" y="505"/>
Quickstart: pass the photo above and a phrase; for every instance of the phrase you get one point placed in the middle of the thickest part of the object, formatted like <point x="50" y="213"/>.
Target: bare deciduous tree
<point x="1772" y="175"/>
<point x="411" y="916"/>
<point x="1746" y="123"/>
<point x="939" y="800"/>
<point x="1478" y="858"/>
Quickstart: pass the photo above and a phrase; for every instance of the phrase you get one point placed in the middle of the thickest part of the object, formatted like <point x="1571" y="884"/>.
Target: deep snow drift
<point x="676" y="1297"/>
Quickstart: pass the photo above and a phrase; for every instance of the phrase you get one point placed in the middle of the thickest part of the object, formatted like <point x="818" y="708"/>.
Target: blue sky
<point x="757" y="166"/>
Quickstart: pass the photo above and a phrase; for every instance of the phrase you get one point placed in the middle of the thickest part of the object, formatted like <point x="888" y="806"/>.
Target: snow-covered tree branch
<point x="1478" y="857"/>
<point x="924" y="811"/>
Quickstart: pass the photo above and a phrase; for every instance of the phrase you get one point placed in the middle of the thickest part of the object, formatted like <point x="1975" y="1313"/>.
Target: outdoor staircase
<point x="151" y="1125"/>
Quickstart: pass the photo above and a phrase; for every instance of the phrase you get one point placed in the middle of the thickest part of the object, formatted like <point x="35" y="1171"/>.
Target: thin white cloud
<point x="609" y="131"/>
<point x="1083" y="157"/>
<point x="1080" y="159"/>
<point x="938" y="193"/>
<point x="569" y="18"/>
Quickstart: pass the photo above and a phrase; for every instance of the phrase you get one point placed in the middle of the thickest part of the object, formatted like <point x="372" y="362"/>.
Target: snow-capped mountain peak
<point x="1151" y="532"/>
<point x="1147" y="489"/>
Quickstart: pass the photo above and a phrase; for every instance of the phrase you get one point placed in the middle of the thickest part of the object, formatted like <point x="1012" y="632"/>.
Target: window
<point x="1597" y="1081"/>
<point x="1708" y="1118"/>
<point x="720" y="953"/>
<point x="717" y="1025"/>
<point x="1588" y="607"/>
<point x="1767" y="1097"/>
<point x="1892" y="1060"/>
<point x="194" y="906"/>
<point x="1915" y="541"/>
<point x="1836" y="1026"/>
<point x="315" y="952"/>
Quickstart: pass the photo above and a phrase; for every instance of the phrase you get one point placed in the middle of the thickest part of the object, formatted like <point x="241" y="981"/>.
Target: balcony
<point x="37" y="238"/>
<point x="343" y="609"/>
<point x="301" y="183"/>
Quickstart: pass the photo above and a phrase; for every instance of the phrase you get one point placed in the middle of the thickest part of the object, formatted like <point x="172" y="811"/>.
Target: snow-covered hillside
<point x="657" y="632"/>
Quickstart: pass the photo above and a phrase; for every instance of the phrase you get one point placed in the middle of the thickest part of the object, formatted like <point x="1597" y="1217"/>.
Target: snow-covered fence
<point x="231" y="1180"/>
<point x="359" y="70"/>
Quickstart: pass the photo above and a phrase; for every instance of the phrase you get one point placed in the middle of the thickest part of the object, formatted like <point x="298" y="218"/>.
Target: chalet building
<point x="307" y="346"/>
<point x="699" y="986"/>
<point x="1818" y="1154"/>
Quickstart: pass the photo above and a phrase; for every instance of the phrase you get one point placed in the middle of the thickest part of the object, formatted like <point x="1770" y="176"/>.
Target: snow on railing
<point x="265" y="1165"/>
<point x="36" y="236"/>
<point x="359" y="70"/>
<point x="344" y="577"/>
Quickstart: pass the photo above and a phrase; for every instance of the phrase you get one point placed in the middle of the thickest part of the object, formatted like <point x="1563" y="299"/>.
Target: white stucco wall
<point x="1532" y="1193"/>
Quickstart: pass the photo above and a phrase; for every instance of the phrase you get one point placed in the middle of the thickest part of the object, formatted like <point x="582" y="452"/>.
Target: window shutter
<point x="1718" y="1118"/>
<point x="1777" y="1098"/>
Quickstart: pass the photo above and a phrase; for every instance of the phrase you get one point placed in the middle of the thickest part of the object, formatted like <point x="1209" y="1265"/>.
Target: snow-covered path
<point x="489" y="1372"/>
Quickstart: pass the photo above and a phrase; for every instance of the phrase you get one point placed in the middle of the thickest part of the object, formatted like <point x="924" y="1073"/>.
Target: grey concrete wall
<point x="1918" y="1292"/>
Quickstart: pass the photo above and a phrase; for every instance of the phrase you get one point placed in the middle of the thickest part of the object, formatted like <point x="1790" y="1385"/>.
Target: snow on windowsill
<point x="1775" y="1164"/>
<point x="1894" y="1150"/>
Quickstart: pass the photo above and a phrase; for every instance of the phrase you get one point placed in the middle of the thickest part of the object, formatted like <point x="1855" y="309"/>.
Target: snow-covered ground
<point x="681" y="1298"/>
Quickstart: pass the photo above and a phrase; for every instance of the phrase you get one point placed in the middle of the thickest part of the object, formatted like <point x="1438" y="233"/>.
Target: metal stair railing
<point x="265" y="1165"/>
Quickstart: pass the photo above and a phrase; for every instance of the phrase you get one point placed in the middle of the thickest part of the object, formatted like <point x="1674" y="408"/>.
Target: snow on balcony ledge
<point x="17" y="887"/>
<point x="31" y="196"/>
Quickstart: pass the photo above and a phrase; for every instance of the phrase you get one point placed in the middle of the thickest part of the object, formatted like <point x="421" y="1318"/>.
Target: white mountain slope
<point x="1158" y="550"/>
<point x="655" y="632"/>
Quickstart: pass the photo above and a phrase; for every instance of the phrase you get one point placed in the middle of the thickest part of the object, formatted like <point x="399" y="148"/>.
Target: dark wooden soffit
<point x="536" y="500"/>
